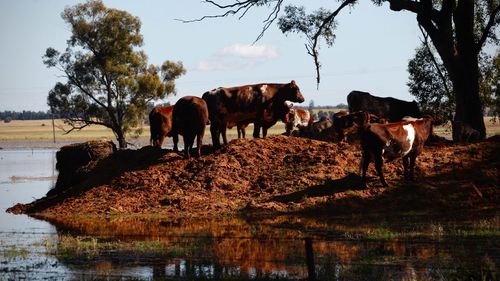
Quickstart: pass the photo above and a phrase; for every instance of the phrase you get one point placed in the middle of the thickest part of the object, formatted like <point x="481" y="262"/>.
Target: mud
<point x="279" y="175"/>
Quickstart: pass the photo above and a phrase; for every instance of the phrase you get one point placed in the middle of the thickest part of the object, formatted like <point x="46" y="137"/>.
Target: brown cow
<point x="270" y="117"/>
<point x="189" y="118"/>
<point x="263" y="104"/>
<point x="390" y="141"/>
<point x="160" y="124"/>
<point x="298" y="118"/>
<point x="352" y="123"/>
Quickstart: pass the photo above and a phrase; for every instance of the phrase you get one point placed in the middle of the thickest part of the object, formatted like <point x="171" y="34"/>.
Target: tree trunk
<point x="468" y="123"/>
<point x="120" y="136"/>
<point x="464" y="73"/>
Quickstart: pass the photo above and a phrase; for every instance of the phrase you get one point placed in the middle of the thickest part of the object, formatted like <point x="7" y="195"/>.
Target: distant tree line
<point x="9" y="115"/>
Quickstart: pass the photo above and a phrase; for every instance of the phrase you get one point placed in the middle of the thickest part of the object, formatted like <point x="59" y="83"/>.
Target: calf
<point x="160" y="124"/>
<point x="298" y="118"/>
<point x="390" y="141"/>
<point x="189" y="118"/>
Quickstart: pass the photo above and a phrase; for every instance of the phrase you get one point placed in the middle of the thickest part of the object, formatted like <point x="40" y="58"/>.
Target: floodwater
<point x="283" y="248"/>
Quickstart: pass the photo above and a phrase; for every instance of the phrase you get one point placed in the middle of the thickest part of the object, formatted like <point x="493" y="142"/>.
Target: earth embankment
<point x="278" y="175"/>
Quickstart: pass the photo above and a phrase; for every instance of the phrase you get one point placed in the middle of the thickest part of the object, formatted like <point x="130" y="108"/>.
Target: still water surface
<point x="138" y="248"/>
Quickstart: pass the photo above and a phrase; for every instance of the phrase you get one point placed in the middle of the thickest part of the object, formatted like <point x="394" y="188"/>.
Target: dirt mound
<point x="277" y="174"/>
<point x="75" y="161"/>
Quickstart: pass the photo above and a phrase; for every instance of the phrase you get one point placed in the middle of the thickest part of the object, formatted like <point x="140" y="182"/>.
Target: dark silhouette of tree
<point x="109" y="81"/>
<point x="458" y="29"/>
<point x="430" y="84"/>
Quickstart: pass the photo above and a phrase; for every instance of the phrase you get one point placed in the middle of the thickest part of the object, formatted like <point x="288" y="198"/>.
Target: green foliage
<point x="438" y="100"/>
<point x="109" y="81"/>
<point x="425" y="83"/>
<point x="296" y="20"/>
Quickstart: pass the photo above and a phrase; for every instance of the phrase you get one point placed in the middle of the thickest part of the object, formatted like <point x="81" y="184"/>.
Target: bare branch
<point x="270" y="19"/>
<point x="487" y="29"/>
<point x="72" y="121"/>
<point x="239" y="6"/>
<point x="312" y="49"/>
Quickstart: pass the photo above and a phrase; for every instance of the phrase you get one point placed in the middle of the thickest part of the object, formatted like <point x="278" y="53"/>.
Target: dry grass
<point x="31" y="131"/>
<point x="27" y="131"/>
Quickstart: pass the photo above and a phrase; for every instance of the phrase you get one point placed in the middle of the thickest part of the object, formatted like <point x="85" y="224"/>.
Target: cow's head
<point x="415" y="110"/>
<point x="291" y="92"/>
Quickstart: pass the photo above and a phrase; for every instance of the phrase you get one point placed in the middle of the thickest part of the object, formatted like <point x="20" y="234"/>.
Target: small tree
<point x="109" y="81"/>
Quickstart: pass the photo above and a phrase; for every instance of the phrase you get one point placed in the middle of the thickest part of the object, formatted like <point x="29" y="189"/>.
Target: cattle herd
<point x="387" y="128"/>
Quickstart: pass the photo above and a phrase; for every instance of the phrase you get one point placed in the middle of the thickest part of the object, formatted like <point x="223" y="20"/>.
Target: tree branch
<point x="238" y="7"/>
<point x="270" y="19"/>
<point x="312" y="49"/>
<point x="487" y="29"/>
<point x="434" y="61"/>
<point x="86" y="122"/>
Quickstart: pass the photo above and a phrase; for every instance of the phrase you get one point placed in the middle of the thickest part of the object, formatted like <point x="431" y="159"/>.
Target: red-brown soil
<point x="279" y="175"/>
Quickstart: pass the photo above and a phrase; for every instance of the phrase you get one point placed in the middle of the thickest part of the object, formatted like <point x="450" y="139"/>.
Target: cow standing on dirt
<point x="189" y="118"/>
<point x="260" y="103"/>
<point x="270" y="117"/>
<point x="160" y="124"/>
<point x="390" y="108"/>
<point x="391" y="141"/>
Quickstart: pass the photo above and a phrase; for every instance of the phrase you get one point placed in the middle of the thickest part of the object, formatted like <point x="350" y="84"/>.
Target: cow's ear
<point x="293" y="83"/>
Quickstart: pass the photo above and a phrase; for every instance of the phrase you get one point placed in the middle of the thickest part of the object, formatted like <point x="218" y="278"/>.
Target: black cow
<point x="390" y="108"/>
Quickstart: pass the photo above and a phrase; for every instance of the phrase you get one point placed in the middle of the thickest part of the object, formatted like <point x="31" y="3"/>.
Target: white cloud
<point x="250" y="51"/>
<point x="237" y="56"/>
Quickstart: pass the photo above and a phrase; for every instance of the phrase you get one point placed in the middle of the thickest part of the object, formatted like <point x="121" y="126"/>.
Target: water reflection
<point x="277" y="248"/>
<point x="235" y="248"/>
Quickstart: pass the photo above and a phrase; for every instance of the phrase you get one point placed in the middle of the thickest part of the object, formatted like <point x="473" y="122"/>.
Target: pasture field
<point x="36" y="133"/>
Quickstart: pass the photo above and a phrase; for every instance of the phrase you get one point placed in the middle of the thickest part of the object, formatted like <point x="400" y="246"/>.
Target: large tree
<point x="458" y="29"/>
<point x="109" y="81"/>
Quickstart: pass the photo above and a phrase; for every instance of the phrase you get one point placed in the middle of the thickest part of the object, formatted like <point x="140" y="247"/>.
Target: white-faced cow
<point x="261" y="104"/>
<point x="189" y="118"/>
<point x="394" y="140"/>
<point x="160" y="124"/>
<point x="298" y="118"/>
<point x="390" y="108"/>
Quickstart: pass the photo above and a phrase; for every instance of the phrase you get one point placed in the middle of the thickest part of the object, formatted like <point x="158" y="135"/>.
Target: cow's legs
<point x="256" y="130"/>
<point x="365" y="162"/>
<point x="379" y="162"/>
<point x="188" y="145"/>
<point x="413" y="158"/>
<point x="199" y="143"/>
<point x="223" y="131"/>
<point x="264" y="131"/>
<point x="175" y="138"/>
<point x="160" y="140"/>
<point x="243" y="132"/>
<point x="405" y="167"/>
<point x="215" y="134"/>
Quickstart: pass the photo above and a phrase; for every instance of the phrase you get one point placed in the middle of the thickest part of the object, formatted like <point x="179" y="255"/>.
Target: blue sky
<point x="371" y="51"/>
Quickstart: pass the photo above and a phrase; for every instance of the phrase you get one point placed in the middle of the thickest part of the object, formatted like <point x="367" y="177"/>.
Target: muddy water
<point x="348" y="248"/>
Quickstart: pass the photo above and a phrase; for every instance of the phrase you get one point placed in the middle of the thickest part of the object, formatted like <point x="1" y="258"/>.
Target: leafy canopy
<point x="109" y="81"/>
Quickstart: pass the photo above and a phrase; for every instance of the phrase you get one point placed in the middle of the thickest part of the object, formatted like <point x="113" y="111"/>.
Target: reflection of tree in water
<point x="216" y="249"/>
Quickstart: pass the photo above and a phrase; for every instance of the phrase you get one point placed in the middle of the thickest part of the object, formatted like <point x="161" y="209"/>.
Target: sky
<point x="371" y="52"/>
